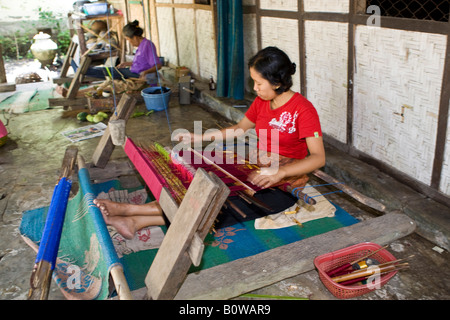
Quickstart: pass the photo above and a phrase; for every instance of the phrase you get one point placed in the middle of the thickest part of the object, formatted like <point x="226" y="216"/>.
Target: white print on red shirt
<point x="286" y="119"/>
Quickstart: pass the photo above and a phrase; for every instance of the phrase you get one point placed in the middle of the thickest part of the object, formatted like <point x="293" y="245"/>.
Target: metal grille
<point x="437" y="10"/>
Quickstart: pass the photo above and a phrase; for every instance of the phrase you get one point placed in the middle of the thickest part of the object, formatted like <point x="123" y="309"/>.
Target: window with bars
<point x="436" y="10"/>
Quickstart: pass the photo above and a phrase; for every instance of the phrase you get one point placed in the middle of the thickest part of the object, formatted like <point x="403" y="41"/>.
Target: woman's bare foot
<point x="124" y="225"/>
<point x="111" y="208"/>
<point x="127" y="218"/>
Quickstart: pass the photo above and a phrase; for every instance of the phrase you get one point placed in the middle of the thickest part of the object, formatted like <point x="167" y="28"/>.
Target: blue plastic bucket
<point x="154" y="99"/>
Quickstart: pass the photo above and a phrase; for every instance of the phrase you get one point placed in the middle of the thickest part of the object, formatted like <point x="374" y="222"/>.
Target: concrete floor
<point x="29" y="164"/>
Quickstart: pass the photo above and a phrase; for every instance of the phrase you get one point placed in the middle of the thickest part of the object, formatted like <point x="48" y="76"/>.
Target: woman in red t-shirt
<point x="286" y="123"/>
<point x="287" y="126"/>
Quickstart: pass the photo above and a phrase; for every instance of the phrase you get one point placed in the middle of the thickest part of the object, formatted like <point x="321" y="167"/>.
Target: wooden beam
<point x="441" y="139"/>
<point x="154" y="33"/>
<point x="184" y="6"/>
<point x="105" y="147"/>
<point x="2" y="66"/>
<point x="6" y="87"/>
<point x="54" y="102"/>
<point x="235" y="278"/>
<point x="201" y="204"/>
<point x="302" y="49"/>
<point x="67" y="61"/>
<point x="170" y="208"/>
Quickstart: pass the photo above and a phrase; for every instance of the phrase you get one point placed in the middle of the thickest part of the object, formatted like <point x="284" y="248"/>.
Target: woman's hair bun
<point x="135" y="23"/>
<point x="293" y="69"/>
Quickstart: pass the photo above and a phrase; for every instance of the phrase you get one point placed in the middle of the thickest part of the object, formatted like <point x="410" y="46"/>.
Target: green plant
<point x="15" y="46"/>
<point x="63" y="41"/>
<point x="49" y="19"/>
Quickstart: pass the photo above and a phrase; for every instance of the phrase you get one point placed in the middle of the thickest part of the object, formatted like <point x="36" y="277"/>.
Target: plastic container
<point x="329" y="261"/>
<point x="155" y="98"/>
<point x="95" y="9"/>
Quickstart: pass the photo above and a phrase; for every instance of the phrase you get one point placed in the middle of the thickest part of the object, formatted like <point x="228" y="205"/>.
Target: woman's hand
<point x="142" y="76"/>
<point x="123" y="65"/>
<point x="267" y="177"/>
<point x="187" y="137"/>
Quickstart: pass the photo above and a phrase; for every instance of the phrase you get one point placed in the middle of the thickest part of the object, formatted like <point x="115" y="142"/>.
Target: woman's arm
<point x="124" y="64"/>
<point x="151" y="70"/>
<point x="218" y="135"/>
<point x="316" y="159"/>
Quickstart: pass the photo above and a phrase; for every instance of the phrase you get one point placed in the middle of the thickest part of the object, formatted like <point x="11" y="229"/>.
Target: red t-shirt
<point x="294" y="122"/>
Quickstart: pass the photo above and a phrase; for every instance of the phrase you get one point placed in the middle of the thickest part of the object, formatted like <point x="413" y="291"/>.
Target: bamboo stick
<point x="351" y="192"/>
<point x="349" y="264"/>
<point x="367" y="272"/>
<point x="253" y="191"/>
<point x="123" y="291"/>
<point x="353" y="281"/>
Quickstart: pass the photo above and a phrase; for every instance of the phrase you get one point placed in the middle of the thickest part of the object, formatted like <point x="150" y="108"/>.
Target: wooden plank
<point x="69" y="56"/>
<point x="170" y="208"/>
<point x="69" y="160"/>
<point x="105" y="147"/>
<point x="86" y="79"/>
<point x="62" y="80"/>
<point x="202" y="201"/>
<point x="244" y="275"/>
<point x="79" y="74"/>
<point x="372" y="203"/>
<point x="54" y="102"/>
<point x="6" y="87"/>
<point x="168" y="204"/>
<point x="113" y="170"/>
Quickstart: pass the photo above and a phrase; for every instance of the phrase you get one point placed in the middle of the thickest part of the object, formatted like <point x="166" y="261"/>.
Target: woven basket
<point x="332" y="260"/>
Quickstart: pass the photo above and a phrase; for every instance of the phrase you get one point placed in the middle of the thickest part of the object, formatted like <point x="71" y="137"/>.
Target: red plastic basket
<point x="329" y="261"/>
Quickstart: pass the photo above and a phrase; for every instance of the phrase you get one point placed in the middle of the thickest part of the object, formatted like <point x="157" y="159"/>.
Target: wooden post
<point x="2" y="66"/>
<point x="69" y="57"/>
<point x="4" y="86"/>
<point x="78" y="78"/>
<point x="197" y="212"/>
<point x="105" y="147"/>
<point x="73" y="89"/>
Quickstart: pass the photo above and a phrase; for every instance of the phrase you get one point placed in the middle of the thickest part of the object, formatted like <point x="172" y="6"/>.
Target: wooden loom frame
<point x="183" y="243"/>
<point x="167" y="277"/>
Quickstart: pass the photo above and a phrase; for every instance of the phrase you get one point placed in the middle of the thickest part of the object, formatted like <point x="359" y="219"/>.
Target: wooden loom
<point x="191" y="201"/>
<point x="167" y="277"/>
<point x="192" y="219"/>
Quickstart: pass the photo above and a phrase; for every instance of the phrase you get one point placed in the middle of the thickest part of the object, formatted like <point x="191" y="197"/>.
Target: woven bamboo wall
<point x="337" y="6"/>
<point x="398" y="71"/>
<point x="395" y="71"/>
<point x="326" y="74"/>
<point x="206" y="44"/>
<point x="282" y="33"/>
<point x="187" y="52"/>
<point x="186" y="36"/>
<point x="250" y="45"/>
<point x="166" y="28"/>
<point x="285" y="5"/>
